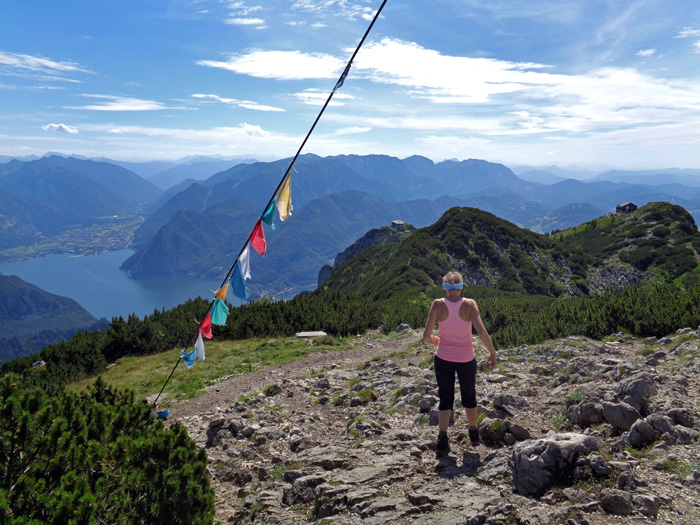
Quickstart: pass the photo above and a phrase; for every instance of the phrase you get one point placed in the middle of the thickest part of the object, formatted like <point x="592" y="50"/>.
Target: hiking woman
<point x="455" y="316"/>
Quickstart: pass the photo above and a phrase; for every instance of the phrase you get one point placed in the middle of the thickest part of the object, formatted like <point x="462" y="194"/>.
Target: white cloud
<point x="39" y="68"/>
<point x="646" y="53"/>
<point x="117" y="103"/>
<point x="61" y="128"/>
<point x="353" y="130"/>
<point x="688" y="32"/>
<point x="217" y="134"/>
<point x="443" y="78"/>
<point x="526" y="98"/>
<point x="287" y="65"/>
<point x="255" y="131"/>
<point x="247" y="104"/>
<point x="244" y="9"/>
<point x="38" y="64"/>
<point x="315" y="97"/>
<point x="245" y="21"/>
<point x="343" y="8"/>
<point x="696" y="47"/>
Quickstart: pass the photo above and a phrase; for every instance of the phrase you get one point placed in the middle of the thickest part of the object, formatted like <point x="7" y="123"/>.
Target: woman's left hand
<point x="492" y="360"/>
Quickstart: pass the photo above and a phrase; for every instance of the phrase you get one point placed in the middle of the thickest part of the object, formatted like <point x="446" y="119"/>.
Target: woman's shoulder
<point x="468" y="304"/>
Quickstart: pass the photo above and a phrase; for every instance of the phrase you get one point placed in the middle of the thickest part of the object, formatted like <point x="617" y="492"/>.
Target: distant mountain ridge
<point x="201" y="207"/>
<point x="195" y="170"/>
<point x="57" y="192"/>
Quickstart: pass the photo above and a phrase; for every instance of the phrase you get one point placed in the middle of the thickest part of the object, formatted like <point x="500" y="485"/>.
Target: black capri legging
<point x="445" y="376"/>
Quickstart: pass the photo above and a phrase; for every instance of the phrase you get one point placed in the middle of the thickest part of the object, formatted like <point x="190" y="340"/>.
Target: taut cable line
<point x="287" y="173"/>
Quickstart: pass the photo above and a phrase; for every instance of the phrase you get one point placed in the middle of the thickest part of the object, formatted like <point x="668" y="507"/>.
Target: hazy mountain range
<point x="197" y="227"/>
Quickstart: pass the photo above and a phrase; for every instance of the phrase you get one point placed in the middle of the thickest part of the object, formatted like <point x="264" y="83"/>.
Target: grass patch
<point x="145" y="375"/>
<point x="639" y="454"/>
<point x="366" y="395"/>
<point x="680" y="469"/>
<point x="575" y="397"/>
<point x="561" y="422"/>
<point x="279" y="470"/>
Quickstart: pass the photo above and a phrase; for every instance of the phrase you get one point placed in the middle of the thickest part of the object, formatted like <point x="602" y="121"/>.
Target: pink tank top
<point x="455" y="335"/>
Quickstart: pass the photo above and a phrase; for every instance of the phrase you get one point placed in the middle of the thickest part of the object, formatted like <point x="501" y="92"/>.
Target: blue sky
<point x="584" y="82"/>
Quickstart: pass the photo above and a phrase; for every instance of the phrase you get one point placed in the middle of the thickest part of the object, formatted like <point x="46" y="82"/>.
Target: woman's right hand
<point x="434" y="339"/>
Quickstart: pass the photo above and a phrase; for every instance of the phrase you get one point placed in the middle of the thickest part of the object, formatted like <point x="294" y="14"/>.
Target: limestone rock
<point x="615" y="501"/>
<point x="538" y="463"/>
<point x="640" y="434"/>
<point x="620" y="415"/>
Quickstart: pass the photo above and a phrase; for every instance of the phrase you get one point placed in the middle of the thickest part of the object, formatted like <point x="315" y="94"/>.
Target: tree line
<point x="88" y="353"/>
<point x="514" y="319"/>
<point x="511" y="318"/>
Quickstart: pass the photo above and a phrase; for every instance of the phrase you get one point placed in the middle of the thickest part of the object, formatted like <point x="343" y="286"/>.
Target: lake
<point x="97" y="283"/>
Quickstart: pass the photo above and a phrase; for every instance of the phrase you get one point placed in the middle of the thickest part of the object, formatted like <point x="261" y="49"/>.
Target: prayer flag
<point x="257" y="238"/>
<point x="188" y="357"/>
<point x="244" y="262"/>
<point x="205" y="326"/>
<point x="238" y="283"/>
<point x="341" y="81"/>
<point x="268" y="215"/>
<point x="222" y="292"/>
<point x="284" y="199"/>
<point x="199" y="347"/>
<point x="219" y="312"/>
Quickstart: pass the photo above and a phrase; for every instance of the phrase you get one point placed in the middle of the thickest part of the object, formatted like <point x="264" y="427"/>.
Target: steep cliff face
<point x="395" y="233"/>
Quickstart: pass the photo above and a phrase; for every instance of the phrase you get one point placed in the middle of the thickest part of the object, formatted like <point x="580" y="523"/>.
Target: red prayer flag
<point x="257" y="238"/>
<point x="205" y="327"/>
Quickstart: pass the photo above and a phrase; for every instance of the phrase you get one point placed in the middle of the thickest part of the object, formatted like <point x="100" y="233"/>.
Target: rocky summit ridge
<point x="573" y="431"/>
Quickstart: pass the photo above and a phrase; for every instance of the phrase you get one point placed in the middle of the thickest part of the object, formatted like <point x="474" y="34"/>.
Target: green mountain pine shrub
<point x="95" y="458"/>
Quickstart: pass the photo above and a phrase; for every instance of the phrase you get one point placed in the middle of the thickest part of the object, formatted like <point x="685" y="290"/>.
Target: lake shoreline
<point x="98" y="284"/>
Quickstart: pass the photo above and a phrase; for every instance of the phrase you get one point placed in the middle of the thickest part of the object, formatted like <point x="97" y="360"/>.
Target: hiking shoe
<point x="442" y="447"/>
<point x="474" y="437"/>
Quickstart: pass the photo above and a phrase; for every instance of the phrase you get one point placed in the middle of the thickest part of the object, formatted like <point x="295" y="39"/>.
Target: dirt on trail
<point x="230" y="389"/>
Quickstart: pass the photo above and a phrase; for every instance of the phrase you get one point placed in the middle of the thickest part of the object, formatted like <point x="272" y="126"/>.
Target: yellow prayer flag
<point x="284" y="199"/>
<point x="222" y="292"/>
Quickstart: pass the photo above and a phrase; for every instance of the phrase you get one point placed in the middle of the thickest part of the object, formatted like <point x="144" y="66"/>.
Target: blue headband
<point x="449" y="286"/>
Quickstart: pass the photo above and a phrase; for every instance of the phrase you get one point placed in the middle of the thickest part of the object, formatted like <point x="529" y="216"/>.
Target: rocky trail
<point x="573" y="431"/>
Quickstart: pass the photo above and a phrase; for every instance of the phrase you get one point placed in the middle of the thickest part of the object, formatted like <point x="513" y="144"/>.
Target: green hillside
<point x="656" y="243"/>
<point x="31" y="318"/>
<point x="659" y="241"/>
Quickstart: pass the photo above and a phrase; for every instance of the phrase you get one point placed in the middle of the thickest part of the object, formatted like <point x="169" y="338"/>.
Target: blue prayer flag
<point x="238" y="284"/>
<point x="189" y="357"/>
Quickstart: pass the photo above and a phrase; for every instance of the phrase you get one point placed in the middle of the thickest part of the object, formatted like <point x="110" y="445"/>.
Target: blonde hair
<point x="452" y="278"/>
